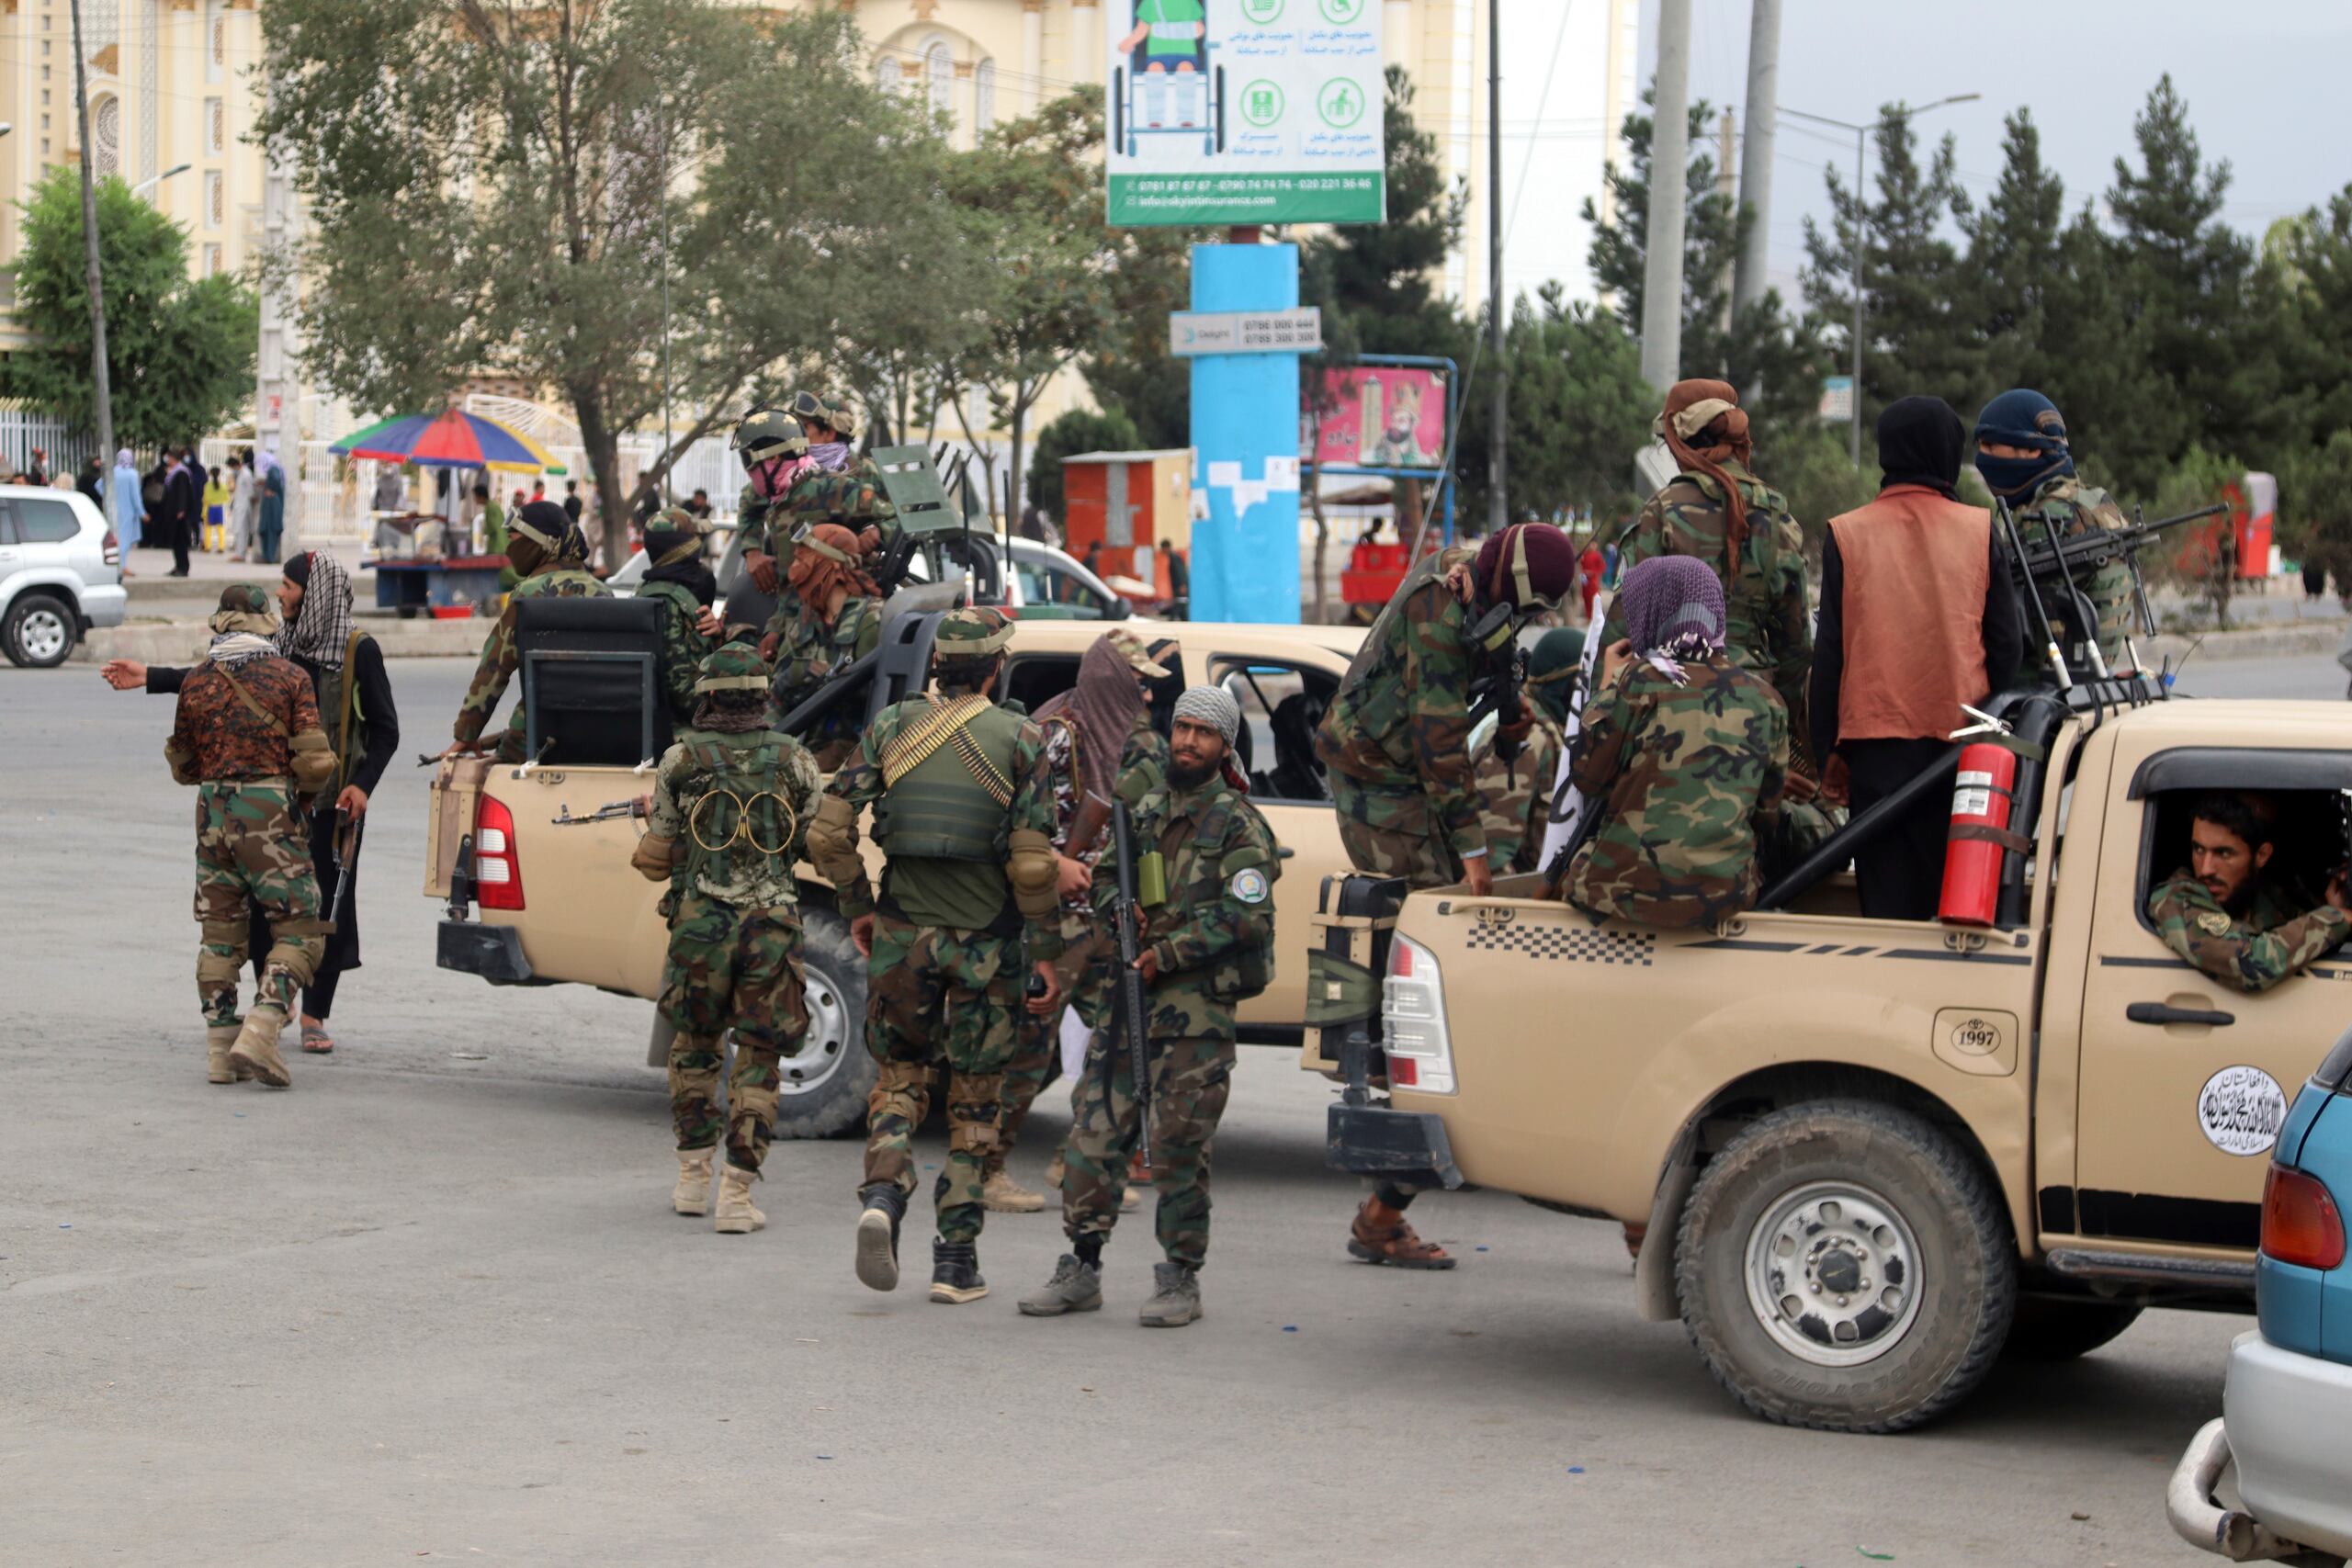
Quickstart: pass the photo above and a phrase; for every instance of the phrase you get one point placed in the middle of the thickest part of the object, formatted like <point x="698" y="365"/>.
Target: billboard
<point x="1244" y="112"/>
<point x="1378" y="417"/>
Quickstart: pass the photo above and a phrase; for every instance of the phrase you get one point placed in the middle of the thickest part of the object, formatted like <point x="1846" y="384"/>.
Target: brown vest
<point x="1916" y="569"/>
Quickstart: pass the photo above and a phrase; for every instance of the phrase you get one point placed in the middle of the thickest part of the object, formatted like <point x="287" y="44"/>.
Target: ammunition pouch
<point x="972" y="1101"/>
<point x="313" y="760"/>
<point x="182" y="763"/>
<point x="833" y="843"/>
<point x="1033" y="868"/>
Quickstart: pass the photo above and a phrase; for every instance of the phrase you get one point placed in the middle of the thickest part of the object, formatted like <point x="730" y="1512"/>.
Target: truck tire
<point x="1845" y="1265"/>
<point x="40" y="631"/>
<point x="2048" y="1330"/>
<point x="822" y="1088"/>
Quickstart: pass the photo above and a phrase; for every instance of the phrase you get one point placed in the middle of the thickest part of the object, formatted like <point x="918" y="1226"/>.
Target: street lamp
<point x="1862" y="145"/>
<point x="151" y="181"/>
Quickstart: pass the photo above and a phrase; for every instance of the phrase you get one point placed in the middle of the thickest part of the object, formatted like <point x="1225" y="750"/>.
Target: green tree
<point x="2317" y="496"/>
<point x="1917" y="301"/>
<point x="2316" y="276"/>
<point x="1580" y="409"/>
<point x="1079" y="430"/>
<point x="2015" y="258"/>
<point x="504" y="187"/>
<point x="1130" y="368"/>
<point x="179" y="353"/>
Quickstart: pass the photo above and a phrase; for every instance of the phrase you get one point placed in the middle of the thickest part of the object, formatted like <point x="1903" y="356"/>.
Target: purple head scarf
<point x="1674" y="610"/>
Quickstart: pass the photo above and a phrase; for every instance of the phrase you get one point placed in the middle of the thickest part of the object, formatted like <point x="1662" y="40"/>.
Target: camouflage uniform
<point x="683" y="649"/>
<point x="1768" y="624"/>
<point x="500" y="657"/>
<point x="2067" y="508"/>
<point x="853" y="498"/>
<point x="1214" y="942"/>
<point x="947" y="973"/>
<point x="2253" y="952"/>
<point x="735" y="939"/>
<point x="1516" y="797"/>
<point x="1396" y="743"/>
<point x="812" y="652"/>
<point x="1687" y="780"/>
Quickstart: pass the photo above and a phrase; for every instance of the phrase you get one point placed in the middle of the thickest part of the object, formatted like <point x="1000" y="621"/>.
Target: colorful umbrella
<point x="451" y="440"/>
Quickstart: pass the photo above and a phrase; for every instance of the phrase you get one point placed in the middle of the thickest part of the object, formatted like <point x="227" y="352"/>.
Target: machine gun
<point x="610" y="811"/>
<point x="1126" y="918"/>
<point x="1499" y="685"/>
<point x="2050" y="564"/>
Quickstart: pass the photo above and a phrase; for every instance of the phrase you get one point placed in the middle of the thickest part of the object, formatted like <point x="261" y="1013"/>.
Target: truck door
<point x="2185" y="1079"/>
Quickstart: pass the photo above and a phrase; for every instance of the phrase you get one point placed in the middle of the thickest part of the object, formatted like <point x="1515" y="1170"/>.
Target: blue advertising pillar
<point x="1245" y="446"/>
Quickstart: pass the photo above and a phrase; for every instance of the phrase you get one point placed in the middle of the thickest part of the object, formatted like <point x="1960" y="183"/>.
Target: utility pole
<point x="92" y="278"/>
<point x="1730" y="204"/>
<point x="1756" y="153"/>
<point x="1497" y="464"/>
<point x="1669" y="161"/>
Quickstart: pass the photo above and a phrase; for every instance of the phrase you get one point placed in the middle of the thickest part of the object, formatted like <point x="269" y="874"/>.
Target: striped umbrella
<point x="450" y="440"/>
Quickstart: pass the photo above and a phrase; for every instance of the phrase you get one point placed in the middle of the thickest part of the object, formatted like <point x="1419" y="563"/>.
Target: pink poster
<point x="1379" y="417"/>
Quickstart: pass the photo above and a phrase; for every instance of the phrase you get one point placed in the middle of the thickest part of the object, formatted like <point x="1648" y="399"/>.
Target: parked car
<point x="1046" y="583"/>
<point x="2287" y="1406"/>
<point x="60" y="573"/>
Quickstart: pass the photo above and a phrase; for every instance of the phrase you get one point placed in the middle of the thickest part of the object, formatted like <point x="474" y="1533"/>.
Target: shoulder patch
<point x="2213" y="923"/>
<point x="1249" y="886"/>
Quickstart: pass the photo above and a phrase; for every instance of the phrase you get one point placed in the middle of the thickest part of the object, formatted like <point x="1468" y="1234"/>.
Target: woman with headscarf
<point x="269" y="521"/>
<point x="677" y="579"/>
<point x="345" y="666"/>
<point x="1685" y="755"/>
<point x="1717" y="512"/>
<point x="130" y="506"/>
<point x="550" y="554"/>
<point x="831" y="619"/>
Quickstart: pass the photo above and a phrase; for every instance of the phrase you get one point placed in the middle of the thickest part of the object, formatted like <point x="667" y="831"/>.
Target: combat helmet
<point x="732" y="667"/>
<point x="766" y="433"/>
<point x="976" y="631"/>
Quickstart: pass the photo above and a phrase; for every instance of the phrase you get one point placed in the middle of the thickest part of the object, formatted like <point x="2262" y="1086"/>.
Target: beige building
<point x="170" y="101"/>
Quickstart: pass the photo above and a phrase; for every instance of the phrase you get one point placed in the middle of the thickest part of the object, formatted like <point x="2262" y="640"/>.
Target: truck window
<point x="2309" y="833"/>
<point x="1032" y="679"/>
<point x="1280" y="706"/>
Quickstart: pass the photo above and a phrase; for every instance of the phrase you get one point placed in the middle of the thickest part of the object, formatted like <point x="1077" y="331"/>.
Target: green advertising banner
<point x="1244" y="112"/>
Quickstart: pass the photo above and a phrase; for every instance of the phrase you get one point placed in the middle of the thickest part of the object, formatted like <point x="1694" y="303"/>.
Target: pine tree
<point x="2316" y="276"/>
<point x="2014" y="260"/>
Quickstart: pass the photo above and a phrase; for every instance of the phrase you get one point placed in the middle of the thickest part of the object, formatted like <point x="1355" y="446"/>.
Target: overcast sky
<point x="2258" y="76"/>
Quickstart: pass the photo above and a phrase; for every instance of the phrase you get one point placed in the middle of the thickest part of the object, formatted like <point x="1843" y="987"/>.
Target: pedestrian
<point x="493" y="518"/>
<point x="130" y="506"/>
<point x="247" y="725"/>
<point x="732" y="800"/>
<point x="549" y="556"/>
<point x="179" y="513"/>
<point x="680" y="580"/>
<point x="91" y="481"/>
<point x="1179" y="581"/>
<point x="1918" y="617"/>
<point x="571" y="497"/>
<point x="2022" y="452"/>
<point x="1716" y="510"/>
<point x="1209" y="946"/>
<point x="269" y="518"/>
<point x="835" y="620"/>
<point x="699" y="503"/>
<point x="1590" y="566"/>
<point x="1395" y="749"/>
<point x="244" y="503"/>
<point x="963" y="815"/>
<point x="1682" y="752"/>
<point x="392" y="495"/>
<point x="216" y="514"/>
<point x="37" y="471"/>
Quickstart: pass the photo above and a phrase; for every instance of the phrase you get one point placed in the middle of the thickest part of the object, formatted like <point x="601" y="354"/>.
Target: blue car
<point x="2287" y="1408"/>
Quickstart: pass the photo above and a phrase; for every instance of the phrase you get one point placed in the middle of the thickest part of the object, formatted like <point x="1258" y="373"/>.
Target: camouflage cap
<point x="767" y="432"/>
<point x="1130" y="648"/>
<point x="674" y="520"/>
<point x="243" y="598"/>
<point x="972" y="633"/>
<point x="733" y="666"/>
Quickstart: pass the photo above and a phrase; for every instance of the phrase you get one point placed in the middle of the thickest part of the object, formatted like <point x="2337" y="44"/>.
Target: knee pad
<point x="972" y="1103"/>
<point x="214" y="967"/>
<point x="1032" y="868"/>
<point x="902" y="1088"/>
<point x="299" y="956"/>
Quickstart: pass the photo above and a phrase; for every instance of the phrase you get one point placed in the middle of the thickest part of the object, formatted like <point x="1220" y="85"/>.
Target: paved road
<point x="430" y="1305"/>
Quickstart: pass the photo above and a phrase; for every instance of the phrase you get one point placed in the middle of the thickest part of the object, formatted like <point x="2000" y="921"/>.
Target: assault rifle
<point x="347" y="829"/>
<point x="608" y="812"/>
<point x="1126" y="918"/>
<point x="1498" y="686"/>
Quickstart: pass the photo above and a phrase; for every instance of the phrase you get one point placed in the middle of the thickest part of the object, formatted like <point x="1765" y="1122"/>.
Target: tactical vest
<point x="738" y="817"/>
<point x="1760" y="497"/>
<point x="940" y="809"/>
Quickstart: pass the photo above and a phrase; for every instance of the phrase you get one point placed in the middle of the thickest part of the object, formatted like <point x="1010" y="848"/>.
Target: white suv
<point x="60" y="573"/>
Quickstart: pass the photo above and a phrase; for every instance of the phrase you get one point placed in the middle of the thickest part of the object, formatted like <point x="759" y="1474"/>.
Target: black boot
<point x="956" y="1272"/>
<point x="878" y="1235"/>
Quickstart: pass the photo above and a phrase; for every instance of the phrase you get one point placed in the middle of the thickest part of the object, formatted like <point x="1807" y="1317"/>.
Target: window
<point x="984" y="95"/>
<point x="1047" y="590"/>
<point x="44" y="522"/>
<point x="1280" y="706"/>
<point x="2300" y="790"/>
<point x="939" y="77"/>
<point x="216" y="62"/>
<point x="215" y="188"/>
<point x="211" y="261"/>
<point x="1034" y="679"/>
<point x="105" y="136"/>
<point x="216" y="126"/>
<point x="887" y="75"/>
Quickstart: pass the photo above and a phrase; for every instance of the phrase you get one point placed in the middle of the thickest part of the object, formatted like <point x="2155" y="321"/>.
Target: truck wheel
<point x="39" y="631"/>
<point x="2047" y="1330"/>
<point x="1845" y="1266"/>
<point x="822" y="1087"/>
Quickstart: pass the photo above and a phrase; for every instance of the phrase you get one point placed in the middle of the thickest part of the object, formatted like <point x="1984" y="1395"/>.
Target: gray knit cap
<point x="1214" y="706"/>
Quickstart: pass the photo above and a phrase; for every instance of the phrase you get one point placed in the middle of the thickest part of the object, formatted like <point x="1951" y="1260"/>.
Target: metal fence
<point x="23" y="428"/>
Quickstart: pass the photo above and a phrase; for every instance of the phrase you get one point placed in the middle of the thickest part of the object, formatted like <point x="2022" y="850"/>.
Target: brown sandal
<point x="1381" y="1235"/>
<point x="317" y="1040"/>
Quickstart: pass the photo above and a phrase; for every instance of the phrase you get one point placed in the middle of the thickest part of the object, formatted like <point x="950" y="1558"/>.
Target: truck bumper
<point x="494" y="953"/>
<point x="1407" y="1147"/>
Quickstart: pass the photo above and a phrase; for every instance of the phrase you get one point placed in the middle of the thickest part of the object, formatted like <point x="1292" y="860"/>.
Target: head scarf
<point x="1553" y="668"/>
<point x="673" y="553"/>
<point x="1704" y="427"/>
<point x="1918" y="444"/>
<point x="267" y="462"/>
<point x="829" y="557"/>
<point x="1674" y="611"/>
<point x="2022" y="417"/>
<point x="1101" y="708"/>
<point x="322" y="623"/>
<point x="1214" y="706"/>
<point x="543" y="534"/>
<point x="830" y="456"/>
<point x="242" y="627"/>
<point x="122" y="460"/>
<point x="1551" y="563"/>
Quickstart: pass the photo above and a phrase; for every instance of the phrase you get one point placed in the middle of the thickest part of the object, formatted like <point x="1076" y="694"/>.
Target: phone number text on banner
<point x="1137" y="200"/>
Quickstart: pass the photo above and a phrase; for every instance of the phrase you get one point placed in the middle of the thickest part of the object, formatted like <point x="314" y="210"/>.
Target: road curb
<point x="183" y="642"/>
<point x="2255" y="642"/>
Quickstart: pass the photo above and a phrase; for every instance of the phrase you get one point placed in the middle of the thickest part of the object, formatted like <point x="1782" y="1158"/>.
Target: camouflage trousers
<point x="1392" y="833"/>
<point x="1039" y="1040"/>
<point x="735" y="969"/>
<point x="253" y="851"/>
<point x="1191" y="1079"/>
<point x="935" y="996"/>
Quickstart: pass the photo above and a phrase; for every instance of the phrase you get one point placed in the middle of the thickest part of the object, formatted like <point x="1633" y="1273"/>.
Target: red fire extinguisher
<point x="1980" y="834"/>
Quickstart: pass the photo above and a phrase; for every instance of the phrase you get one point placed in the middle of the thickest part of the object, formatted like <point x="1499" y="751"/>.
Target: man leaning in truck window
<point x="2226" y="915"/>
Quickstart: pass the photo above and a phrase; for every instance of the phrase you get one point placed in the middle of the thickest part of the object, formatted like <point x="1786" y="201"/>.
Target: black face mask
<point x="1162" y="693"/>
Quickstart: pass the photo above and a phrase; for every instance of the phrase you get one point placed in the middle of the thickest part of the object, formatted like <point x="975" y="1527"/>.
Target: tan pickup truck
<point x="1864" y="1158"/>
<point x="535" y="904"/>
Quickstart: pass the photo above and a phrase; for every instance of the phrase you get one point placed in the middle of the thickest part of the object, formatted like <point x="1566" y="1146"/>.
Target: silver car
<point x="60" y="573"/>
